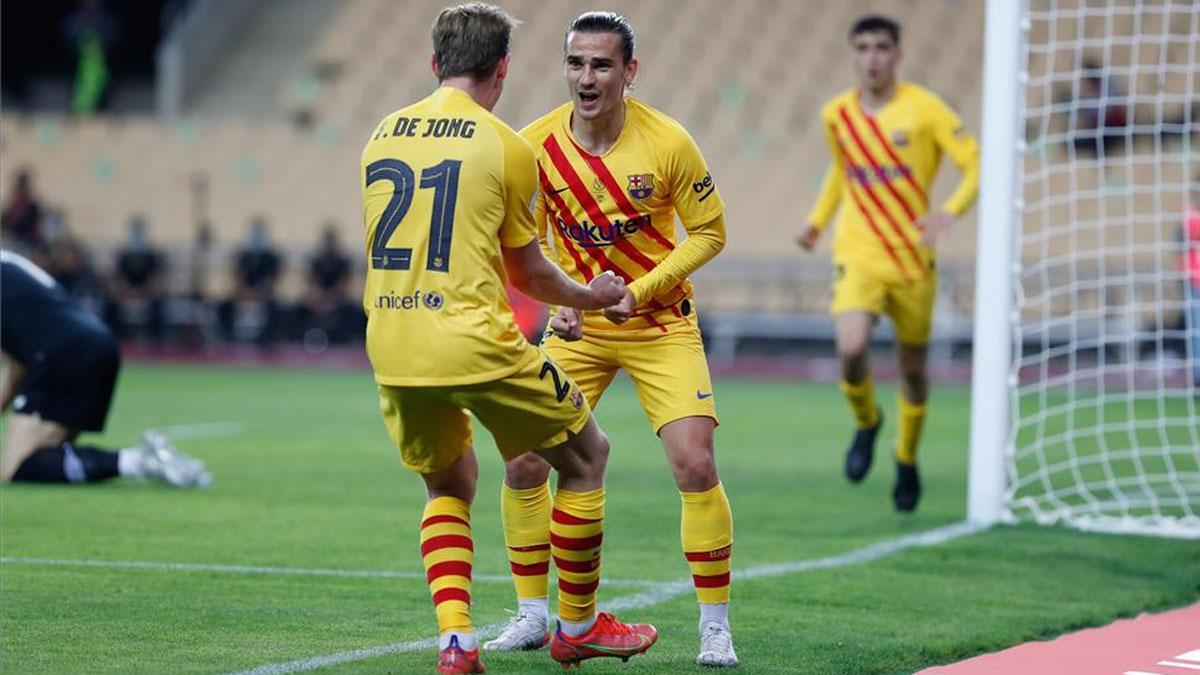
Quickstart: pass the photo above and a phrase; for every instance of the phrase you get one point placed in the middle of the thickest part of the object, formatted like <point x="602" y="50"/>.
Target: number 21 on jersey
<point x="443" y="180"/>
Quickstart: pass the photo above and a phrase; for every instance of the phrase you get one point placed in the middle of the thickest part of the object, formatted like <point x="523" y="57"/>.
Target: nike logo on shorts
<point x="703" y="396"/>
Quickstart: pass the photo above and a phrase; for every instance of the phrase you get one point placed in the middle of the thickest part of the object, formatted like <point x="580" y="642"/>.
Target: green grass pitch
<point x="305" y="478"/>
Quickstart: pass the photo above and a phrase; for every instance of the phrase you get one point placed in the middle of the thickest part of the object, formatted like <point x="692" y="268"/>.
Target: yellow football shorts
<point x="668" y="368"/>
<point x="856" y="287"/>
<point x="532" y="409"/>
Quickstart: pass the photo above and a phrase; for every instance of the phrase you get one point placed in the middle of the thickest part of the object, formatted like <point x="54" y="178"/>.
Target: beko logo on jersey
<point x="410" y="301"/>
<point x="590" y="235"/>
<point x="704" y="187"/>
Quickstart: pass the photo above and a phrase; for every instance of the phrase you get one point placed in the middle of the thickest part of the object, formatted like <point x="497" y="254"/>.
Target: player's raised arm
<point x="542" y="280"/>
<point x="703" y="243"/>
<point x="827" y="202"/>
<point x="701" y="211"/>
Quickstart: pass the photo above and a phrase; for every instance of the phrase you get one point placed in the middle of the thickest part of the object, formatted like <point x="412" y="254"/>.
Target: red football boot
<point x="607" y="637"/>
<point x="455" y="659"/>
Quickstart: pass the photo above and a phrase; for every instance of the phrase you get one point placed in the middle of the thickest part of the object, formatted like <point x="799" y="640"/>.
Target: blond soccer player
<point x="887" y="138"/>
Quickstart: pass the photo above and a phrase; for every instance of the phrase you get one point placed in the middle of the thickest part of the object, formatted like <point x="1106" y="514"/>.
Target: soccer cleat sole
<point x="568" y="665"/>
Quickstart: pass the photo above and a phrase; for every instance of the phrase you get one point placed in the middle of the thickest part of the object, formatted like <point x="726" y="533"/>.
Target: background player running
<point x="614" y="173"/>
<point x="61" y="365"/>
<point x="887" y="138"/>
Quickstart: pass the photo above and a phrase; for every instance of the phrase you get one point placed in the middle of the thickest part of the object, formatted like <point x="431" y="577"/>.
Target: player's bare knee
<point x="457" y="480"/>
<point x="595" y="451"/>
<point x="526" y="471"/>
<point x="854" y="363"/>
<point x="696" y="472"/>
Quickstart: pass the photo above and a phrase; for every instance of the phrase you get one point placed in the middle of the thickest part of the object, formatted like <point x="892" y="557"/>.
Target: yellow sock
<point x="861" y="397"/>
<point x="912" y="418"/>
<point x="576" y="532"/>
<point x="706" y="530"/>
<point x="526" y="518"/>
<point x="448" y="553"/>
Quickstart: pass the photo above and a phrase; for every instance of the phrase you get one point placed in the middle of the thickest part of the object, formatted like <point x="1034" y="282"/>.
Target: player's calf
<point x="68" y="463"/>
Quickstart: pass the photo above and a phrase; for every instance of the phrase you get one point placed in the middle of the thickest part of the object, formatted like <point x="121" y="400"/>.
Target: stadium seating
<point x="747" y="82"/>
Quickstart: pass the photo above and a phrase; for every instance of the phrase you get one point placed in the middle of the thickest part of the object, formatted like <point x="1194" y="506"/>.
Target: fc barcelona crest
<point x="641" y="185"/>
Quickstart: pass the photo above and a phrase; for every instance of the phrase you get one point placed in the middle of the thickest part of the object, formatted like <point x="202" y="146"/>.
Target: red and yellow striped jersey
<point x="617" y="211"/>
<point x="884" y="166"/>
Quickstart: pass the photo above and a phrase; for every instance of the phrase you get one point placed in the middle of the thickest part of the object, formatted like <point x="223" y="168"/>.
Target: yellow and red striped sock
<point x="576" y="533"/>
<point x="526" y="517"/>
<point x="447" y="551"/>
<point x="706" y="531"/>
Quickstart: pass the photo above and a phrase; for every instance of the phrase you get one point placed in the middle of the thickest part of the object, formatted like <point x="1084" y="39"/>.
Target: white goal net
<point x="1105" y="419"/>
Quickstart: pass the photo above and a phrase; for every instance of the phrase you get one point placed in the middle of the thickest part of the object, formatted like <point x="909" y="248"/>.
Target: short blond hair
<point x="471" y="39"/>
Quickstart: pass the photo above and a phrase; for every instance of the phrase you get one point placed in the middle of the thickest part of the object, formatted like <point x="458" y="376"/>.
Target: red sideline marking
<point x="1150" y="643"/>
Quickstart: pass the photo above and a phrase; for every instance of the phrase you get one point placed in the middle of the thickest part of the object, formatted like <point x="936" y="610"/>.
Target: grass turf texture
<point x="311" y="481"/>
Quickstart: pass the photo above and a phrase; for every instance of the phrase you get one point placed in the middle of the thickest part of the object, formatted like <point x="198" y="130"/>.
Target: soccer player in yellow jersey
<point x="887" y="138"/>
<point x="447" y="191"/>
<point x="614" y="174"/>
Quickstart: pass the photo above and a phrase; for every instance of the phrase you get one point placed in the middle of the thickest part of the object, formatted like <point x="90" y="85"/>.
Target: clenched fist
<point x="607" y="289"/>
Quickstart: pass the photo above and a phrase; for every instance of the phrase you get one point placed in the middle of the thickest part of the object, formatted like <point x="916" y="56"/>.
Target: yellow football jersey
<point x="445" y="185"/>
<point x="617" y="211"/>
<point x="884" y="166"/>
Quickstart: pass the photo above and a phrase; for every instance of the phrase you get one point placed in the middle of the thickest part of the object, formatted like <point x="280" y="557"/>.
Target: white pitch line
<point x="199" y="430"/>
<point x="660" y="593"/>
<point x="253" y="569"/>
<point x="1173" y="664"/>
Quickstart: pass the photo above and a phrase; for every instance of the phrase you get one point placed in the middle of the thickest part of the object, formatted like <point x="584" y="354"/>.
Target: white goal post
<point x="1086" y="355"/>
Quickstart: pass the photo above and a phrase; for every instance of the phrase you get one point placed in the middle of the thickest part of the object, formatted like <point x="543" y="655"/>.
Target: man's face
<point x="597" y="73"/>
<point x="875" y="58"/>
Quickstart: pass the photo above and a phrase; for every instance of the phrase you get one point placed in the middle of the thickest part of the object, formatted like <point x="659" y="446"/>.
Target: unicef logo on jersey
<point x="431" y="300"/>
<point x="434" y="300"/>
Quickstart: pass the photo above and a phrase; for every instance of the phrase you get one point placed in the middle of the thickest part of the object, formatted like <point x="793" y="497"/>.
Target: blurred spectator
<point x="329" y="268"/>
<point x="92" y="31"/>
<point x="139" y="289"/>
<point x="1191" y="263"/>
<point x="70" y="263"/>
<point x="327" y="315"/>
<point x="251" y="314"/>
<point x="200" y="262"/>
<point x="1100" y="111"/>
<point x="21" y="222"/>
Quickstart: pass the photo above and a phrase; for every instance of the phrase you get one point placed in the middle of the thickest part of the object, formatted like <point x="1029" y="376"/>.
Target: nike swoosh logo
<point x="703" y="396"/>
<point x="562" y="189"/>
<point x="642" y="639"/>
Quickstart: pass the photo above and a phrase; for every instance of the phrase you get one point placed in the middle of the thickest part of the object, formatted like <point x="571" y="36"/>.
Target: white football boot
<point x="524" y="632"/>
<point x="716" y="647"/>
<point x="162" y="461"/>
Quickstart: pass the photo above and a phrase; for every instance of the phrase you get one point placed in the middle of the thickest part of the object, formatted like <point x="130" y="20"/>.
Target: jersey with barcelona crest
<point x="883" y="169"/>
<point x="616" y="212"/>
